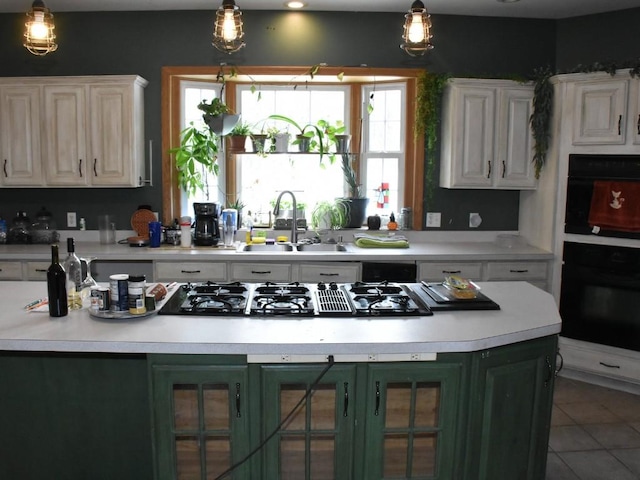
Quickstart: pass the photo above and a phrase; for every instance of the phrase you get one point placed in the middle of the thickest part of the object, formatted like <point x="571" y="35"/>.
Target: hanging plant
<point x="429" y="97"/>
<point x="540" y="120"/>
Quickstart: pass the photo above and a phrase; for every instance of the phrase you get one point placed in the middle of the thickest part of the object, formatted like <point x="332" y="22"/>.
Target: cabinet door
<point x="411" y="421"/>
<point x="202" y="421"/>
<point x="112" y="149"/>
<point x="65" y="135"/>
<point x="20" y="136"/>
<point x="514" y="145"/>
<point x="510" y="411"/>
<point x="471" y="124"/>
<point x="600" y="112"/>
<point x="316" y="438"/>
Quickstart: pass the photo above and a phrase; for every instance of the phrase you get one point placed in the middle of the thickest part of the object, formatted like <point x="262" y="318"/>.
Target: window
<point x="389" y="160"/>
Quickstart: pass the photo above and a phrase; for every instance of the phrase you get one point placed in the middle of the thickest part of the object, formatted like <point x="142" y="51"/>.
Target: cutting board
<point x="438" y="297"/>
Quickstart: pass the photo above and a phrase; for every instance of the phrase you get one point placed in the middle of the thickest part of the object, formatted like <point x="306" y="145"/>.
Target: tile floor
<point x="595" y="433"/>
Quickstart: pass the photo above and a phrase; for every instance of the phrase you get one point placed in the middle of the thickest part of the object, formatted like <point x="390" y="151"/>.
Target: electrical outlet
<point x="474" y="220"/>
<point x="71" y="220"/>
<point x="434" y="219"/>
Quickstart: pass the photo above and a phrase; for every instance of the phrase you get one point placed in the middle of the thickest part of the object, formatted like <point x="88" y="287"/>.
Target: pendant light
<point x="227" y="30"/>
<point x="38" y="31"/>
<point x="417" y="30"/>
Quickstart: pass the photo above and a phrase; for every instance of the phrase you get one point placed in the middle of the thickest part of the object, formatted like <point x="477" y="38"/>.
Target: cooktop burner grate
<point x="333" y="302"/>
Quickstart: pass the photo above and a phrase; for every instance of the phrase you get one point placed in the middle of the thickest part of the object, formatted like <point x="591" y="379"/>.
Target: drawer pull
<point x="95" y="167"/>
<point x="451" y="271"/>
<point x="608" y="365"/>
<point x="190" y="271"/>
<point x="345" y="410"/>
<point x="329" y="274"/>
<point x="80" y="167"/>
<point x="519" y="271"/>
<point x="620" y="125"/>
<point x="257" y="272"/>
<point x="41" y="270"/>
<point x="4" y="168"/>
<point x="377" y="409"/>
<point x="489" y="172"/>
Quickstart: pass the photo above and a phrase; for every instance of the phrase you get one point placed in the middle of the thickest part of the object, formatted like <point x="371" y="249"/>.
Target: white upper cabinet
<point x="20" y="136"/>
<point x="486" y="138"/>
<point x="601" y="112"/>
<point x="91" y="131"/>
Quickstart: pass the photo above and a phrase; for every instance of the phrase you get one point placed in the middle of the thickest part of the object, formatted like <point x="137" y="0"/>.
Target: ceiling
<point x="549" y="9"/>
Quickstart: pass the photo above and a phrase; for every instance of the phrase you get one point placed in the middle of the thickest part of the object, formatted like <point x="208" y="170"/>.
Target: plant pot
<point x="281" y="141"/>
<point x="259" y="143"/>
<point x="237" y="143"/>
<point x="304" y="143"/>
<point x="221" y="124"/>
<point x="342" y="143"/>
<point x="357" y="211"/>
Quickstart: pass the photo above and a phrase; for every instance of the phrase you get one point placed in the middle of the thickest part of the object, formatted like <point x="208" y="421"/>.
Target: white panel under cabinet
<point x="37" y="270"/>
<point x="190" y="271"/>
<point x="20" y="143"/>
<point x="260" y="272"/>
<point x="339" y="272"/>
<point x="10" y="270"/>
<point x="437" y="271"/>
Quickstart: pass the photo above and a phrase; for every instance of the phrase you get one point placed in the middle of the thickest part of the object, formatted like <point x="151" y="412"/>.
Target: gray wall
<point x="142" y="42"/>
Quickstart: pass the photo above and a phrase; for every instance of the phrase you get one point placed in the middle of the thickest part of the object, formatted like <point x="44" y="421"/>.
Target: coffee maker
<point x="206" y="230"/>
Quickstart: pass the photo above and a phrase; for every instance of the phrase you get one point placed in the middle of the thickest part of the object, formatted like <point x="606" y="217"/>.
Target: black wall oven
<point x="600" y="294"/>
<point x="589" y="174"/>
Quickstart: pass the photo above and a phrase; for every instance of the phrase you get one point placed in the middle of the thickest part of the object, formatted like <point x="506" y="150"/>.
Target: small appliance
<point x="206" y="230"/>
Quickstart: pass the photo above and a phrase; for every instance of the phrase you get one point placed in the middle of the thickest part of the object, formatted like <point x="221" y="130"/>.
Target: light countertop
<point x="527" y="312"/>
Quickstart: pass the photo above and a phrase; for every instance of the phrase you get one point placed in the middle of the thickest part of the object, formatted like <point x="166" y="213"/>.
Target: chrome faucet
<point x="294" y="222"/>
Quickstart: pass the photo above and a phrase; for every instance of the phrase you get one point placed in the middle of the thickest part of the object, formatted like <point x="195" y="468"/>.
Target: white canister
<point x="185" y="231"/>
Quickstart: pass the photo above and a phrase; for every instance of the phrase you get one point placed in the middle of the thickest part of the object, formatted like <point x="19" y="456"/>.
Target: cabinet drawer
<point x="37" y="270"/>
<point x="10" y="270"/>
<point x="592" y="358"/>
<point x="330" y="272"/>
<point x="190" y="271"/>
<point x="436" y="271"/>
<point x="516" y="270"/>
<point x="260" y="272"/>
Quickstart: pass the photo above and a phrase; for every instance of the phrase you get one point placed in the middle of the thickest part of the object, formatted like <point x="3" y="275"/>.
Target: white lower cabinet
<point x="10" y="270"/>
<point x="601" y="360"/>
<point x="437" y="271"/>
<point x="37" y="270"/>
<point x="260" y="272"/>
<point x="339" y="272"/>
<point x="190" y="271"/>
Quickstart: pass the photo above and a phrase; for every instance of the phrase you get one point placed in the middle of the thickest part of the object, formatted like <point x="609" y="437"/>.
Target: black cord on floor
<point x="283" y="422"/>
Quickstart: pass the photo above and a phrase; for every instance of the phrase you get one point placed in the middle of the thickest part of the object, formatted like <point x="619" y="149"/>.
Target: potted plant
<point x="237" y="137"/>
<point x="195" y="157"/>
<point x="279" y="139"/>
<point x="329" y="215"/>
<point x="310" y="137"/>
<point x="335" y="135"/>
<point x="218" y="116"/>
<point x="356" y="201"/>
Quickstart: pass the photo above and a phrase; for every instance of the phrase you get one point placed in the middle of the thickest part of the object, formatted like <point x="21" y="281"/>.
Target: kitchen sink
<point x="262" y="247"/>
<point x="322" y="247"/>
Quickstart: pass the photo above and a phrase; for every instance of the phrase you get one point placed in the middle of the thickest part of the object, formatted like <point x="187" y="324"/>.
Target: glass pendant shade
<point x="38" y="31"/>
<point x="417" y="30"/>
<point x="227" y="30"/>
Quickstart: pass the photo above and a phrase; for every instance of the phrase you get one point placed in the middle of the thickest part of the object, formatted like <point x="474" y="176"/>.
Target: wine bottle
<point x="73" y="267"/>
<point x="57" y="286"/>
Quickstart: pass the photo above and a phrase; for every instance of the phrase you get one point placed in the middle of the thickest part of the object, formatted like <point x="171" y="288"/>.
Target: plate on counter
<point x="109" y="315"/>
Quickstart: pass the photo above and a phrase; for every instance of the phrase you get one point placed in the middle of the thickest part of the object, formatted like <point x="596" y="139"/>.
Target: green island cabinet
<point x="479" y="415"/>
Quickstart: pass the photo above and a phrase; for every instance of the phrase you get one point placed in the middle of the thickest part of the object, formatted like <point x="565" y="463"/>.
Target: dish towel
<point x="615" y="206"/>
<point x="364" y="240"/>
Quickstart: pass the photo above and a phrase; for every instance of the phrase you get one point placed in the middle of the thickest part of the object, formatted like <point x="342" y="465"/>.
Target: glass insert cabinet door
<point x="202" y="421"/>
<point x="315" y="440"/>
<point x="411" y="421"/>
